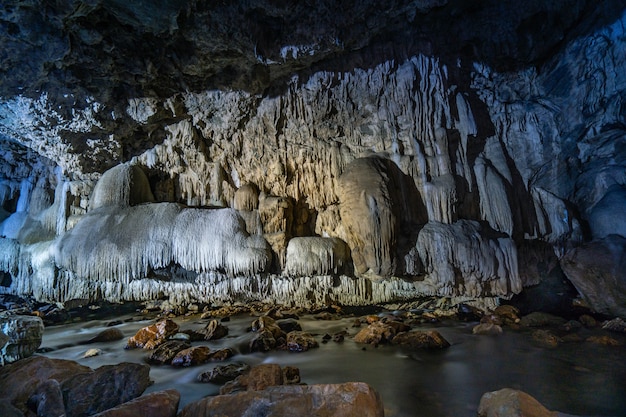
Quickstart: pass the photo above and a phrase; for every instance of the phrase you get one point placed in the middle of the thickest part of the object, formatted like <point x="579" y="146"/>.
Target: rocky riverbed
<point x="426" y="358"/>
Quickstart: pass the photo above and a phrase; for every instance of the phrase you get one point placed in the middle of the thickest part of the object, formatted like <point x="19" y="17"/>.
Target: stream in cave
<point x="576" y="378"/>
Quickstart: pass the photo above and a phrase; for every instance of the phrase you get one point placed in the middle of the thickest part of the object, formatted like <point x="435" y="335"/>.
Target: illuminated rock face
<point x="372" y="159"/>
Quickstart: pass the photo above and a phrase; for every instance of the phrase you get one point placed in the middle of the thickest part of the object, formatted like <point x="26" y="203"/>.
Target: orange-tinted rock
<point x="604" y="340"/>
<point x="375" y="333"/>
<point x="430" y="339"/>
<point x="192" y="356"/>
<point x="511" y="403"/>
<point x="152" y="336"/>
<point x="337" y="400"/>
<point x="298" y="341"/>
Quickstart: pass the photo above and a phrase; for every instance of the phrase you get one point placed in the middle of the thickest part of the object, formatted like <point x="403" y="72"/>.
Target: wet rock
<point x="339" y="337"/>
<point x="487" y="329"/>
<point x="20" y="380"/>
<point x="213" y="330"/>
<point x="192" y="356"/>
<point x="298" y="341"/>
<point x="588" y="321"/>
<point x="165" y="352"/>
<point x="266" y="323"/>
<point x="571" y="326"/>
<point x="183" y="337"/>
<point x="291" y="375"/>
<point x="263" y="376"/>
<point x="604" y="340"/>
<point x="8" y="410"/>
<point x="47" y="399"/>
<point x="430" y="339"/>
<point x="541" y="319"/>
<point x="264" y="341"/>
<point x="327" y="316"/>
<point x="104" y="388"/>
<point x="155" y="404"/>
<point x="546" y="338"/>
<point x="92" y="352"/>
<point x="224" y="373"/>
<point x="615" y="325"/>
<point x="24" y="337"/>
<point x="337" y="400"/>
<point x="108" y="335"/>
<point x="511" y="403"/>
<point x="288" y="325"/>
<point x="398" y="326"/>
<point x="150" y="337"/>
<point x="508" y="314"/>
<point x="466" y="312"/>
<point x="221" y="355"/>
<point x="375" y="333"/>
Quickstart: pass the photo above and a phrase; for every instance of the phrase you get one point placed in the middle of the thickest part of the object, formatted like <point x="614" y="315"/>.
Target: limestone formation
<point x="22" y="337"/>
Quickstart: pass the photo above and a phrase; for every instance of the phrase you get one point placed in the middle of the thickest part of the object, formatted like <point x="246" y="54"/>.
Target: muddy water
<point x="574" y="378"/>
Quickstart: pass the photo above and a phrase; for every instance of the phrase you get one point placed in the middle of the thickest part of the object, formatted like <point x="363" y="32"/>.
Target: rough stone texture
<point x="150" y="337"/>
<point x="224" y="373"/>
<point x="166" y="351"/>
<point x="23" y="337"/>
<point x="519" y="129"/>
<point x="298" y="341"/>
<point x="340" y="400"/>
<point x="155" y="404"/>
<point x="108" y="335"/>
<point x="511" y="403"/>
<point x="104" y="388"/>
<point x="193" y="356"/>
<point x="598" y="270"/>
<point x="428" y="339"/>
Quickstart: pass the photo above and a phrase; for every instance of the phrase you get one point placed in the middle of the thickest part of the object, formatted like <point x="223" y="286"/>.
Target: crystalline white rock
<point x="316" y="256"/>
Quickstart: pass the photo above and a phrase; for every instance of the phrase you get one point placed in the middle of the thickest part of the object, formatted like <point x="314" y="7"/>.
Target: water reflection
<point x="576" y="378"/>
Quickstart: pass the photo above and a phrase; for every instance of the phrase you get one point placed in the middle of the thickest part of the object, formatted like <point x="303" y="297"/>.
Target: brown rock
<point x="604" y="340"/>
<point x="48" y="399"/>
<point x="430" y="339"/>
<point x="375" y="333"/>
<point x="269" y="324"/>
<point x="298" y="341"/>
<point x="487" y="329"/>
<point x="540" y="319"/>
<point x="166" y="352"/>
<point x="587" y="320"/>
<point x="291" y="375"/>
<point x="546" y="338"/>
<point x="192" y="356"/>
<point x="224" y="373"/>
<point x="20" y="380"/>
<point x="221" y="355"/>
<point x="508" y="314"/>
<point x="258" y="378"/>
<point x="213" y="330"/>
<point x="8" y="410"/>
<point x="337" y="400"/>
<point x="108" y="335"/>
<point x="155" y="404"/>
<point x="264" y="341"/>
<point x="103" y="388"/>
<point x="152" y="336"/>
<point x="511" y="403"/>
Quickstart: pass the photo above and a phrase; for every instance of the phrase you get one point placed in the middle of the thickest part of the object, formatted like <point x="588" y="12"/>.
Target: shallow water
<point x="575" y="378"/>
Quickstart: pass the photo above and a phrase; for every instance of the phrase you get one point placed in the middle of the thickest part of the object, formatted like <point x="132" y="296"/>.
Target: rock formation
<point x="168" y="152"/>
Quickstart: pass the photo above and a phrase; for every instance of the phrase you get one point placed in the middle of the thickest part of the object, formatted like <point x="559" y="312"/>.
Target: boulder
<point x="508" y="402"/>
<point x="104" y="388"/>
<point x="337" y="400"/>
<point x="22" y="337"/>
<point x="192" y="356"/>
<point x="487" y="329"/>
<point x="166" y="352"/>
<point x="257" y="378"/>
<point x="213" y="330"/>
<point x="221" y="355"/>
<point x="108" y="335"/>
<point x="20" y="380"/>
<point x="598" y="271"/>
<point x="224" y="373"/>
<point x="150" y="337"/>
<point x="430" y="339"/>
<point x="546" y="338"/>
<point x="264" y="341"/>
<point x="155" y="404"/>
<point x="298" y="341"/>
<point x="540" y="319"/>
<point x="47" y="399"/>
<point x="615" y="325"/>
<point x="288" y="325"/>
<point x="375" y="333"/>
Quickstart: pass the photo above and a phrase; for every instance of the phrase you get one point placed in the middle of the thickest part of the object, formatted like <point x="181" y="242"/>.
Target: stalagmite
<point x="316" y="256"/>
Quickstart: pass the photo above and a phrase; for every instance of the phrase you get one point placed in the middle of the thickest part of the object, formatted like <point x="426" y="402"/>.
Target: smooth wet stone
<point x="224" y="373"/>
<point x="430" y="339"/>
<point x="508" y="402"/>
<point x="615" y="325"/>
<point x="298" y="341"/>
<point x="338" y="400"/>
<point x="546" y="338"/>
<point x="221" y="355"/>
<point x="487" y="329"/>
<point x="196" y="355"/>
<point x="90" y="353"/>
<point x="150" y="337"/>
<point x="24" y="335"/>
<point x="104" y="388"/>
<point x="155" y="404"/>
<point x="258" y="378"/>
<point x="166" y="352"/>
<point x="466" y="312"/>
<point x="604" y="340"/>
<point x="589" y="321"/>
<point x="264" y="341"/>
<point x="268" y="324"/>
<point x="47" y="399"/>
<point x="20" y="380"/>
<point x="541" y="319"/>
<point x="508" y="314"/>
<point x="288" y="325"/>
<point x="108" y="335"/>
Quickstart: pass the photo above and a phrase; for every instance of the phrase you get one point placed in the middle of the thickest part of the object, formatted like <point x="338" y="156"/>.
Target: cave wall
<point x="442" y="173"/>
